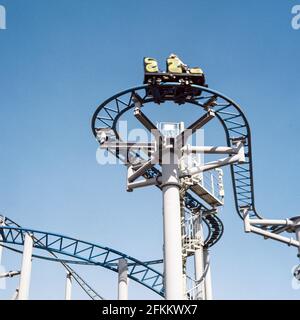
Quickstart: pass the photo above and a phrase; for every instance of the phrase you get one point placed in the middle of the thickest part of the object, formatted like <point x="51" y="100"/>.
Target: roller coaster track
<point x="228" y="113"/>
<point x="106" y="116"/>
<point x="82" y="251"/>
<point x="83" y="284"/>
<point x="86" y="287"/>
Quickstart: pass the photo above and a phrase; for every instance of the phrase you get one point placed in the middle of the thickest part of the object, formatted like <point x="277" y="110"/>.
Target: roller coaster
<point x="80" y="252"/>
<point x="198" y="202"/>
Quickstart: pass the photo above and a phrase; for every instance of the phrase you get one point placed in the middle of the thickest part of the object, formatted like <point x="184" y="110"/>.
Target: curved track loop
<point x="87" y="252"/>
<point x="229" y="114"/>
<point x="233" y="121"/>
<point x="107" y="115"/>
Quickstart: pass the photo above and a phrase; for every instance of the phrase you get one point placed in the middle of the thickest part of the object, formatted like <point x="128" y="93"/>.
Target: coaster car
<point x="177" y="72"/>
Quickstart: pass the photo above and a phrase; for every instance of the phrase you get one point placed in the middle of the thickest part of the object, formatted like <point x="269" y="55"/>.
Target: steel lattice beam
<point x="85" y="251"/>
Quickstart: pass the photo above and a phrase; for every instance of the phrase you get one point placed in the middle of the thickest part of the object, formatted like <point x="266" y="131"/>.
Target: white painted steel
<point x="1" y="247"/>
<point x="173" y="270"/>
<point x="122" y="280"/>
<point x="26" y="268"/>
<point x="207" y="280"/>
<point x="68" y="289"/>
<point x="271" y="222"/>
<point x="199" y="260"/>
<point x="270" y="235"/>
<point x="209" y="149"/>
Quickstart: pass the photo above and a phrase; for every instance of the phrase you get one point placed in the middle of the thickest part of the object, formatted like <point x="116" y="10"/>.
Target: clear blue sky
<point x="60" y="59"/>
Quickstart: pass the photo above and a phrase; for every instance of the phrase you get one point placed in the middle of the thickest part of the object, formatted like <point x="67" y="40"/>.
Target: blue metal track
<point x="86" y="252"/>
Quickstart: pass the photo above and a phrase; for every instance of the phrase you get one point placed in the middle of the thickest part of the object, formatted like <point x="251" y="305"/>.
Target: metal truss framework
<point x="226" y="111"/>
<point x="82" y="252"/>
<point x="106" y="117"/>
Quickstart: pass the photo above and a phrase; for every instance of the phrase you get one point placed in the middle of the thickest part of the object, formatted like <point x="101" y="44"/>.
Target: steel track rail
<point x="83" y="284"/>
<point x="87" y="252"/>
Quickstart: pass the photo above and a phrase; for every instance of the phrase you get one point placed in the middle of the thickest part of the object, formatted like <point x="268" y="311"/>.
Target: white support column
<point x="2" y="224"/>
<point x="173" y="270"/>
<point x="297" y="233"/>
<point x="212" y="184"/>
<point x="68" y="292"/>
<point x="1" y="250"/>
<point x="26" y="268"/>
<point x="15" y="295"/>
<point x="123" y="280"/>
<point x="207" y="282"/>
<point x="199" y="259"/>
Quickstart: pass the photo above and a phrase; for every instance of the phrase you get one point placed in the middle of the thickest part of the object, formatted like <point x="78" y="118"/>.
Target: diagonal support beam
<point x="145" y="121"/>
<point x="270" y="235"/>
<point x="139" y="172"/>
<point x="202" y="121"/>
<point x="143" y="183"/>
<point x="182" y="138"/>
<point x="10" y="274"/>
<point x="248" y="227"/>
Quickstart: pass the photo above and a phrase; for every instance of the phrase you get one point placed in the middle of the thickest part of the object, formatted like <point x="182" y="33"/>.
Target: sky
<point x="60" y="59"/>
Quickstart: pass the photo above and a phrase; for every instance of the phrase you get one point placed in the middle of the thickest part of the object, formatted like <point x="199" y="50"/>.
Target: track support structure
<point x="207" y="280"/>
<point x="26" y="268"/>
<point x="1" y="239"/>
<point x="123" y="280"/>
<point x="199" y="260"/>
<point x="68" y="290"/>
<point x="173" y="268"/>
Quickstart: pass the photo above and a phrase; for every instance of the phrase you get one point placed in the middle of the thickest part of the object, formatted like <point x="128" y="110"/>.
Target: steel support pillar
<point x="122" y="280"/>
<point x="68" y="290"/>
<point x="26" y="268"/>
<point x="2" y="224"/>
<point x="199" y="260"/>
<point x="297" y="233"/>
<point x="15" y="295"/>
<point x="207" y="281"/>
<point x="1" y="250"/>
<point x="173" y="269"/>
